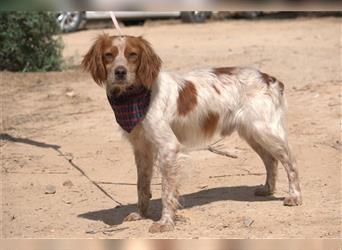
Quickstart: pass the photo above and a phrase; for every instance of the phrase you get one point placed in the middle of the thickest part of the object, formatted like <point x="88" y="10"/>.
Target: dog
<point x="161" y="113"/>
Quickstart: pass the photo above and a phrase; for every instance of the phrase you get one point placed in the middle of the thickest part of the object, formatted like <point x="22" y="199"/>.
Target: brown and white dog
<point x="192" y="109"/>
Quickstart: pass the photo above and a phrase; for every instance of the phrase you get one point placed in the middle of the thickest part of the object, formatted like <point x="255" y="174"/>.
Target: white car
<point x="73" y="20"/>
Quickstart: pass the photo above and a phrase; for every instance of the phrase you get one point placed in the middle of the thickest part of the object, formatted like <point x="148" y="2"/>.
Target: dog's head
<point x="119" y="63"/>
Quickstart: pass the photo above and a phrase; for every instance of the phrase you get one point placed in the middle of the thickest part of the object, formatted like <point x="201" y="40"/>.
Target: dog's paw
<point x="133" y="217"/>
<point x="263" y="191"/>
<point x="292" y="201"/>
<point x="158" y="227"/>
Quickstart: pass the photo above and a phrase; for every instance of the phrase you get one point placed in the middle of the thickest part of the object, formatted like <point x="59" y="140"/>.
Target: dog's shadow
<point x="115" y="216"/>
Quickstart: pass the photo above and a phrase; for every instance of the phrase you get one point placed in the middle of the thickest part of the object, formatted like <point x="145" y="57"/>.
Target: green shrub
<point x="29" y="41"/>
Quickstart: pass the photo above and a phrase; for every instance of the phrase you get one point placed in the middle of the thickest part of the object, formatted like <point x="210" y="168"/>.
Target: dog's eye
<point x="109" y="56"/>
<point x="132" y="56"/>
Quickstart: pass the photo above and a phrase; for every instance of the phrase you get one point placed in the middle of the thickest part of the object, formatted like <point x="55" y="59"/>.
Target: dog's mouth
<point x="120" y="82"/>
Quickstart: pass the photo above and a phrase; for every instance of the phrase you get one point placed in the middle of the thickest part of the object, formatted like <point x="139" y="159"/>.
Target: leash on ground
<point x="6" y="137"/>
<point x="69" y="159"/>
<point x="214" y="148"/>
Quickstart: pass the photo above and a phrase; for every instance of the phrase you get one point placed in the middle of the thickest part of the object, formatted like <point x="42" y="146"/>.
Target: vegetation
<point x="30" y="41"/>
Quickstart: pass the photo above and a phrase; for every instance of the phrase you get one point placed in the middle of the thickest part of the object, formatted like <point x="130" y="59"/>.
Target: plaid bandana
<point x="131" y="107"/>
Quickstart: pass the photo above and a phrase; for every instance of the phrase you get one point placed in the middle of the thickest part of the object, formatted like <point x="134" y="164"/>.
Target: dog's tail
<point x="270" y="80"/>
<point x="276" y="87"/>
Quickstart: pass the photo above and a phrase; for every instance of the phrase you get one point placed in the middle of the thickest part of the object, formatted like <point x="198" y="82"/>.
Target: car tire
<point x="195" y="16"/>
<point x="70" y="21"/>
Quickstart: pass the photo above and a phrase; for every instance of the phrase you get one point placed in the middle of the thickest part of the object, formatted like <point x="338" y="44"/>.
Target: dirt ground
<point x="58" y="129"/>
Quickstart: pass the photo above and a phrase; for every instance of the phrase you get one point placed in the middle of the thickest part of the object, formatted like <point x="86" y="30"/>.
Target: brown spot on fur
<point x="267" y="78"/>
<point x="216" y="89"/>
<point x="210" y="123"/>
<point x="187" y="98"/>
<point x="271" y="80"/>
<point x="224" y="71"/>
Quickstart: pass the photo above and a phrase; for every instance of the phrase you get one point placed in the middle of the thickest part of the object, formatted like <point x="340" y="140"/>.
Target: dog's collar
<point x="131" y="107"/>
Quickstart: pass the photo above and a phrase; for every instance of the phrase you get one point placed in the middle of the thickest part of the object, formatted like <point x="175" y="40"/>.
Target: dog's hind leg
<point x="271" y="165"/>
<point x="261" y="123"/>
<point x="272" y="147"/>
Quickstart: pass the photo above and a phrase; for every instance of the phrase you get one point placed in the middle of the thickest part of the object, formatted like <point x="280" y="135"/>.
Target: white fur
<point x="244" y="100"/>
<point x="221" y="101"/>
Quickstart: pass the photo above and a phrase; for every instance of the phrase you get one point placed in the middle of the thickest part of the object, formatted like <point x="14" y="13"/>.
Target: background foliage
<point x="29" y="41"/>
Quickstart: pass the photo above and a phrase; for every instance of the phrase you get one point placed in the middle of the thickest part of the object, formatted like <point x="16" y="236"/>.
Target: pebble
<point x="91" y="232"/>
<point x="248" y="222"/>
<point x="50" y="189"/>
<point x="70" y="94"/>
<point x="68" y="183"/>
<point x="67" y="202"/>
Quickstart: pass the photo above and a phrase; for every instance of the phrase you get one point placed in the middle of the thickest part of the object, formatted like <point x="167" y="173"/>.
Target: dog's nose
<point x="120" y="72"/>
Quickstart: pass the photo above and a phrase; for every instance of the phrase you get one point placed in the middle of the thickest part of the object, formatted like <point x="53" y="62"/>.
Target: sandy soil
<point x="56" y="125"/>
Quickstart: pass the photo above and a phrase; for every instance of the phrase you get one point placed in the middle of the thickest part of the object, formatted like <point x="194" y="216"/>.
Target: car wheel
<point x="195" y="16"/>
<point x="70" y="21"/>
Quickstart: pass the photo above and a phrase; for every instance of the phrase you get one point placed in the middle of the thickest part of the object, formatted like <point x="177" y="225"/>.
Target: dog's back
<point x="206" y="104"/>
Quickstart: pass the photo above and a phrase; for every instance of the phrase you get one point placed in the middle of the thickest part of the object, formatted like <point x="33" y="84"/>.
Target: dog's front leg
<point x="168" y="165"/>
<point x="143" y="153"/>
<point x="168" y="150"/>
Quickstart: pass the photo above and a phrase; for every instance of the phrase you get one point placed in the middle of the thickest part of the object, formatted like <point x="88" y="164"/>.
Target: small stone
<point x="91" y="232"/>
<point x="50" y="189"/>
<point x="248" y="222"/>
<point x="67" y="202"/>
<point x="68" y="183"/>
<point x="70" y="94"/>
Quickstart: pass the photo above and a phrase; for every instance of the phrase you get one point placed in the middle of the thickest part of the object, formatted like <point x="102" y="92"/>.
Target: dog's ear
<point x="150" y="64"/>
<point x="93" y="61"/>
